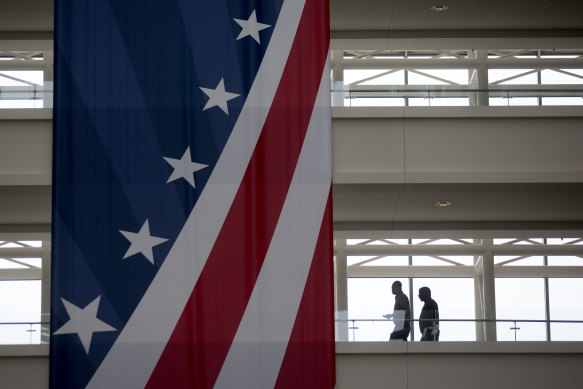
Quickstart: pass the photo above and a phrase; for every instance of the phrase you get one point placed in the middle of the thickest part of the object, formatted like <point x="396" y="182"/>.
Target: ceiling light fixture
<point x="439" y="8"/>
<point x="443" y="203"/>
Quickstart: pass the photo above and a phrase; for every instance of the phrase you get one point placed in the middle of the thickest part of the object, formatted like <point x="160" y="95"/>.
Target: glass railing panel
<point x="455" y="95"/>
<point x="20" y="333"/>
<point x="463" y="330"/>
<point x="27" y="96"/>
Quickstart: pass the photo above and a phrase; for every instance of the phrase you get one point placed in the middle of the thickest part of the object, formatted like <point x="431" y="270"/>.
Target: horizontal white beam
<point x="20" y="274"/>
<point x="463" y="88"/>
<point x="532" y="63"/>
<point x="525" y="249"/>
<point x="378" y="63"/>
<point x="460" y="63"/>
<point x="538" y="271"/>
<point x="463" y="271"/>
<point x="22" y="252"/>
<point x="469" y="249"/>
<point x="400" y="250"/>
<point x="410" y="271"/>
<point x="22" y="65"/>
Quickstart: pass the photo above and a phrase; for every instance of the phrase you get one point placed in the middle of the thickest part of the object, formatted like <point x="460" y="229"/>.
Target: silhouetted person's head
<point x="424" y="293"/>
<point x="396" y="287"/>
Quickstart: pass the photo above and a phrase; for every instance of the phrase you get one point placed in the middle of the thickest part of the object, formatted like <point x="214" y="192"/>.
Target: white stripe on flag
<point x="133" y="357"/>
<point x="257" y="352"/>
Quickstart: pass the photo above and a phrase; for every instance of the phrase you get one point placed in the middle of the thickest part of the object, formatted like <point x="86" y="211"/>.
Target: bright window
<point x="520" y="299"/>
<point x="371" y="298"/>
<point x="455" y="298"/>
<point x="565" y="303"/>
<point x="20" y="303"/>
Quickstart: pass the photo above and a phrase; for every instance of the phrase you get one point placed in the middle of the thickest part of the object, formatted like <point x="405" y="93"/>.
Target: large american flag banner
<point x="192" y="208"/>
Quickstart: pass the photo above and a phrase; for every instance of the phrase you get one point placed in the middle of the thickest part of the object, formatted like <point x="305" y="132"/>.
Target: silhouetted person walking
<point x="401" y="313"/>
<point x="429" y="318"/>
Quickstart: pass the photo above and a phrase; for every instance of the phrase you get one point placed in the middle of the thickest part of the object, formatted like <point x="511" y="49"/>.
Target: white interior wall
<point x="457" y="145"/>
<point x="403" y="365"/>
<point x="457" y="365"/>
<point x="26" y="141"/>
<point x="387" y="145"/>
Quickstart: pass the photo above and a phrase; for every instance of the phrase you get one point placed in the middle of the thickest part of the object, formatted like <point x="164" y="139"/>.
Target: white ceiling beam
<point x="20" y="274"/>
<point x="461" y="63"/>
<point x="409" y="63"/>
<point x="464" y="271"/>
<point x="541" y="63"/>
<point x="538" y="271"/>
<point x="410" y="271"/>
<point x="469" y="249"/>
<point x="511" y="54"/>
<point x="22" y="252"/>
<point x="538" y="249"/>
<point x="22" y="65"/>
<point x="406" y="250"/>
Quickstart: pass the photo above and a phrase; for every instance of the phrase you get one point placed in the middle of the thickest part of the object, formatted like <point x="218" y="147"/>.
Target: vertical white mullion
<point x="341" y="284"/>
<point x="489" y="288"/>
<point x="45" y="292"/>
<point x="479" y="295"/>
<point x="547" y="297"/>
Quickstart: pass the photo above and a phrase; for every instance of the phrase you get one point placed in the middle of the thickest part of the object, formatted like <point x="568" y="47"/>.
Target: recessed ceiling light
<point x="443" y="203"/>
<point x="439" y="8"/>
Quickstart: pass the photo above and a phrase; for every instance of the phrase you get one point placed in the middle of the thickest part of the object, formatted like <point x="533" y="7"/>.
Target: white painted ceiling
<point x="37" y="15"/>
<point x="460" y="15"/>
<point x="479" y="207"/>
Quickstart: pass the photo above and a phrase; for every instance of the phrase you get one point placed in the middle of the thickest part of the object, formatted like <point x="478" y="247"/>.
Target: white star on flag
<point x="218" y="96"/>
<point x="83" y="322"/>
<point x="251" y="27"/>
<point x="184" y="168"/>
<point x="142" y="242"/>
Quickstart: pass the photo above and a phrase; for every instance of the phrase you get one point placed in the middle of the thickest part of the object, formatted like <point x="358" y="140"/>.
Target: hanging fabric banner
<point x="192" y="225"/>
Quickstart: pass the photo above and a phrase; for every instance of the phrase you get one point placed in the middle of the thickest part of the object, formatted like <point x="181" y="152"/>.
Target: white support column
<point x="48" y="79"/>
<point x="46" y="292"/>
<point x="341" y="291"/>
<point x="489" y="291"/>
<point x="482" y="78"/>
<point x="478" y="296"/>
<point x="337" y="78"/>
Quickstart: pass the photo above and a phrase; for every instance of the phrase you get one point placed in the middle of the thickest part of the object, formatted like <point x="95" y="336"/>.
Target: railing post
<point x="489" y="292"/>
<point x="341" y="289"/>
<point x="45" y="293"/>
<point x="547" y="297"/>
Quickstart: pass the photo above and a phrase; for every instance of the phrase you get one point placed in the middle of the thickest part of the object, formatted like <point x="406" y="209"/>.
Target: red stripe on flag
<point x="202" y="337"/>
<point x="309" y="358"/>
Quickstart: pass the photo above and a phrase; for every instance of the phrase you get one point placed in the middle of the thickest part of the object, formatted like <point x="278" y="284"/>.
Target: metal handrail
<point x="472" y="320"/>
<point x="29" y="327"/>
<point x="353" y="326"/>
